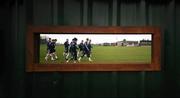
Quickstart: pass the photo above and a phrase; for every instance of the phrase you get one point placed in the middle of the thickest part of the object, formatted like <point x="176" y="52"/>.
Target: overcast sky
<point x="98" y="38"/>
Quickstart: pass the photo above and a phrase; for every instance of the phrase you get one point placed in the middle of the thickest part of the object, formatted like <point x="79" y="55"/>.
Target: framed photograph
<point x="77" y="48"/>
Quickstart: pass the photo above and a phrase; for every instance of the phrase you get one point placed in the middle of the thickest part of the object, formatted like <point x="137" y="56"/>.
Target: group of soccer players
<point x="76" y="52"/>
<point x="72" y="51"/>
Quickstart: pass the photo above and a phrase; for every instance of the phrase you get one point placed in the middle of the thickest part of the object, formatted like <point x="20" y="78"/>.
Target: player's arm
<point x="64" y="43"/>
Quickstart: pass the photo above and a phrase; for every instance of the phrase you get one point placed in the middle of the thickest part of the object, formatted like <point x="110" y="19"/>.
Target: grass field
<point x="106" y="55"/>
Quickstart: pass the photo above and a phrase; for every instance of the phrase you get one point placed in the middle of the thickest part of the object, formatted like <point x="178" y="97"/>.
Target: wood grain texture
<point x="155" y="65"/>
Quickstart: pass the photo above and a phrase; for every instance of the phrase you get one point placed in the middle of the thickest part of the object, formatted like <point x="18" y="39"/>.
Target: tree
<point x="124" y="40"/>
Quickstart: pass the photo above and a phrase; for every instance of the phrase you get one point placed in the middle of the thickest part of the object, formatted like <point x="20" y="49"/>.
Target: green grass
<point x="106" y="54"/>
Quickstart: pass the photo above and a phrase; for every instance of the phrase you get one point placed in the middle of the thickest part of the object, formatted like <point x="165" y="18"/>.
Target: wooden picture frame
<point x="33" y="66"/>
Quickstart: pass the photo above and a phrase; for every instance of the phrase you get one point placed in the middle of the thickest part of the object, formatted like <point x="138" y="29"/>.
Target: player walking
<point x="48" y="49"/>
<point x="86" y="51"/>
<point x="66" y="49"/>
<point x="90" y="47"/>
<point x="53" y="50"/>
<point x="73" y="50"/>
<point x="81" y="48"/>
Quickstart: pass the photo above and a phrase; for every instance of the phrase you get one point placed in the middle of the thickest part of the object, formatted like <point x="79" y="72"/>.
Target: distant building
<point x="127" y="43"/>
<point x="145" y="42"/>
<point x="43" y="39"/>
<point x="113" y="44"/>
<point x="106" y="44"/>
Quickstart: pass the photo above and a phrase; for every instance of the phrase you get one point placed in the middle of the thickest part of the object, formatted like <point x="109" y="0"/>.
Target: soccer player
<point x="89" y="46"/>
<point x="52" y="49"/>
<point x="73" y="50"/>
<point x="81" y="48"/>
<point x="48" y="49"/>
<point x="66" y="49"/>
<point x="86" y="51"/>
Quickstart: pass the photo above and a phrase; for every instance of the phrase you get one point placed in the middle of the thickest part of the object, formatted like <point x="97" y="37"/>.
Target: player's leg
<point x="66" y="55"/>
<point x="70" y="56"/>
<point x="78" y="53"/>
<point x="90" y="54"/>
<point x="65" y="52"/>
<point x="47" y="55"/>
<point x="89" y="58"/>
<point x="55" y="55"/>
<point x="83" y="53"/>
<point x="75" y="56"/>
<point x="68" y="59"/>
<point x="51" y="55"/>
